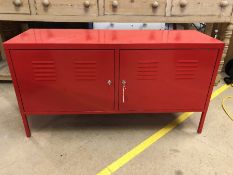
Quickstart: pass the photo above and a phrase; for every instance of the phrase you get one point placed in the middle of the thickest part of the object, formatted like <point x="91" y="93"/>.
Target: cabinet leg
<point x="26" y="126"/>
<point x="201" y="123"/>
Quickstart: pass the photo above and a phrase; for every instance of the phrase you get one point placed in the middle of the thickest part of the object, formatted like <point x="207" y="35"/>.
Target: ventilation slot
<point x="186" y="69"/>
<point x="44" y="70"/>
<point x="85" y="70"/>
<point x="147" y="70"/>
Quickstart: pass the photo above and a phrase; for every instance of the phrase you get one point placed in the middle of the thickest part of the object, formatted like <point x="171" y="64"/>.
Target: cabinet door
<point x="65" y="80"/>
<point x="67" y="7"/>
<point x="165" y="80"/>
<point x="201" y="8"/>
<point x="14" y="7"/>
<point x="135" y="7"/>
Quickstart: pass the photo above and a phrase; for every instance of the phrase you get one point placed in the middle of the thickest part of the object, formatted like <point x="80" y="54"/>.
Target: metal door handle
<point x="123" y="90"/>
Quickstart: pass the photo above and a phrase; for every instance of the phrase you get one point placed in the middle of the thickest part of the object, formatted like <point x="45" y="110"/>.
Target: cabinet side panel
<point x="14" y="79"/>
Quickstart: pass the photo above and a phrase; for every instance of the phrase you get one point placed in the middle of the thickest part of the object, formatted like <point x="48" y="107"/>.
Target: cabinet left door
<point x="65" y="80"/>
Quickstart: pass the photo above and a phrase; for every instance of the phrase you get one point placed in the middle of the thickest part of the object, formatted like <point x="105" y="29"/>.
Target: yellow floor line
<point x="152" y="139"/>
<point x="219" y="91"/>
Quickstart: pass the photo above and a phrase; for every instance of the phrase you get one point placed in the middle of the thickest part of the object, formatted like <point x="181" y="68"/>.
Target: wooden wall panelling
<point x="225" y="31"/>
<point x="221" y="29"/>
<point x="229" y="55"/>
<point x="226" y="40"/>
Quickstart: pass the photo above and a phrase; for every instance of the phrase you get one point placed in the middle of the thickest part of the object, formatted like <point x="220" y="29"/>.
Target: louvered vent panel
<point x="85" y="70"/>
<point x="44" y="70"/>
<point x="186" y="69"/>
<point x="147" y="70"/>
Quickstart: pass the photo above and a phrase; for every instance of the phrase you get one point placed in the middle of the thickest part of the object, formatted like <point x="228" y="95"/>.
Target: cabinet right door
<point x="165" y="80"/>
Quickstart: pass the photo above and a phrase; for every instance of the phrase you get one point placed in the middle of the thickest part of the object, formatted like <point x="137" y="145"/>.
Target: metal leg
<point x="26" y="126"/>
<point x="202" y="121"/>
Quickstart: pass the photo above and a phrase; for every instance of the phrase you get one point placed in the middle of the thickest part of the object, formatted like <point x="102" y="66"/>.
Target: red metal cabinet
<point x="65" y="80"/>
<point x="109" y="71"/>
<point x="165" y="80"/>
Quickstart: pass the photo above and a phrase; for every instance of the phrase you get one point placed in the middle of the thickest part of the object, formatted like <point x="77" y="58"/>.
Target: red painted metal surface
<point x="65" y="80"/>
<point x="100" y="71"/>
<point x="51" y="37"/>
<point x="166" y="79"/>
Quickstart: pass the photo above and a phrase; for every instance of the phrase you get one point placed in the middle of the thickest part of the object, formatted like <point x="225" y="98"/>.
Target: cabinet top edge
<point x="110" y="37"/>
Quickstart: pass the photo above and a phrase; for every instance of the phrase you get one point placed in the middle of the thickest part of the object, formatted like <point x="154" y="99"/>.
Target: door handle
<point x="123" y="90"/>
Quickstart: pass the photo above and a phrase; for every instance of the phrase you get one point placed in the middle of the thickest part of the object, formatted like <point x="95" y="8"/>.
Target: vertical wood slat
<point x="101" y="7"/>
<point x="32" y="6"/>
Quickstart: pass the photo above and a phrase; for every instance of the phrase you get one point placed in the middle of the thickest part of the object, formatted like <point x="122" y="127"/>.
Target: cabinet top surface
<point x="82" y="36"/>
